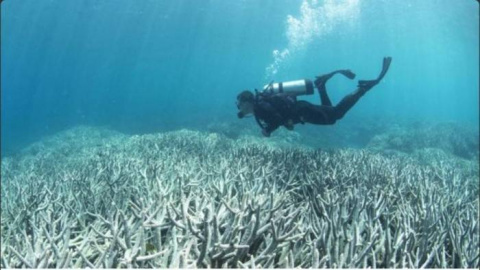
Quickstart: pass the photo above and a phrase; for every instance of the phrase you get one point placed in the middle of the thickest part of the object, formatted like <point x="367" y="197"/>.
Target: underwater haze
<point x="154" y="65"/>
<point x="121" y="145"/>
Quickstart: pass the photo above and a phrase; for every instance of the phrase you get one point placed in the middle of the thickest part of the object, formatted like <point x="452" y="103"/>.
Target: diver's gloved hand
<point x="265" y="133"/>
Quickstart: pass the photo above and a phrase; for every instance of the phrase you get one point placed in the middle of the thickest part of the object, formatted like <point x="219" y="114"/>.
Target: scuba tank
<point x="291" y="88"/>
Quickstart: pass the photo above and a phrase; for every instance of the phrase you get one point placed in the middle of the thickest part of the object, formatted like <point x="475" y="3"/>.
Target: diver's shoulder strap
<point x="259" y="123"/>
<point x="255" y="104"/>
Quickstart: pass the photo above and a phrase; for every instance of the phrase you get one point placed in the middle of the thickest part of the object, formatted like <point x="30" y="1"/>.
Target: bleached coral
<point x="189" y="199"/>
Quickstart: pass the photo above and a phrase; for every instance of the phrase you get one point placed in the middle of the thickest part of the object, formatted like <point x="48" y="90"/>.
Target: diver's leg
<point x="347" y="102"/>
<point x="322" y="91"/>
<point x="315" y="114"/>
<point x="321" y="81"/>
<point x="363" y="86"/>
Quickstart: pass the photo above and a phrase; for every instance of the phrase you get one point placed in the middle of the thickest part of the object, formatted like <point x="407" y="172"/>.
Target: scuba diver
<point x="277" y="104"/>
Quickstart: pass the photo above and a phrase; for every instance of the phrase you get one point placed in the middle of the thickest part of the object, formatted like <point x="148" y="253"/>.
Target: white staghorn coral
<point x="188" y="199"/>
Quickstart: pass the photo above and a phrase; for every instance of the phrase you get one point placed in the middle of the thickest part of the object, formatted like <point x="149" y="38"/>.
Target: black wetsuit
<point x="274" y="110"/>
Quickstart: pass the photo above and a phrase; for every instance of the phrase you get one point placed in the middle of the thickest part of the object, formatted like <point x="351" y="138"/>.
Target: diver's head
<point x="245" y="102"/>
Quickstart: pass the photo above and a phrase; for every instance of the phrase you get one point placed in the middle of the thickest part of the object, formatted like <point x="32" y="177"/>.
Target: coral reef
<point x="190" y="199"/>
<point x="452" y="138"/>
<point x="233" y="129"/>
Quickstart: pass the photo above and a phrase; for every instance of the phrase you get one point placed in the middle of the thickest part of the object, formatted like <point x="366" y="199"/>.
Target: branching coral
<point x="450" y="138"/>
<point x="188" y="200"/>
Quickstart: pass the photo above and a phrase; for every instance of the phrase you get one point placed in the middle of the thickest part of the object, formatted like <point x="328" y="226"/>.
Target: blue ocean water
<point x="154" y="65"/>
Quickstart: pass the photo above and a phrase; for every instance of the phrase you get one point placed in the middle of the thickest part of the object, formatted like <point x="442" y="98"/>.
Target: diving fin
<point x="347" y="73"/>
<point x="386" y="64"/>
<point x="322" y="79"/>
<point x="368" y="84"/>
